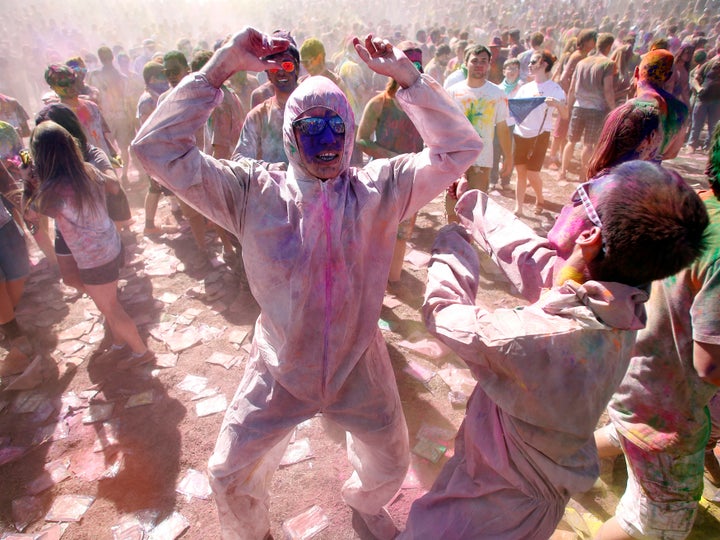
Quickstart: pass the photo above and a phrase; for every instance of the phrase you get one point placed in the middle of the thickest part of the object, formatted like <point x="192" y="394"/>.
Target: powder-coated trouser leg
<point x="258" y="426"/>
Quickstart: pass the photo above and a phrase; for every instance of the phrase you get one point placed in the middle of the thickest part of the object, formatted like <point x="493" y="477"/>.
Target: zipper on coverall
<point x="327" y="217"/>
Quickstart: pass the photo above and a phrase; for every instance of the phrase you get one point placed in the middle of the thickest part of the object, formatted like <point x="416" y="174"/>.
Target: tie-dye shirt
<point x="661" y="403"/>
<point x="484" y="107"/>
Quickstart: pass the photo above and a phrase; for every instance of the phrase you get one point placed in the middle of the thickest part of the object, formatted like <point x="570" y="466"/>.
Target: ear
<point x="590" y="242"/>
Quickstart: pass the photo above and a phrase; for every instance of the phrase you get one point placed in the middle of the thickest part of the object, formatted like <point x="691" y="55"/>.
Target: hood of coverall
<point x="316" y="91"/>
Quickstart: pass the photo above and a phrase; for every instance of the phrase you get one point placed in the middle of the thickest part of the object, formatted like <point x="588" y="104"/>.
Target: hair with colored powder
<point x="653" y="224"/>
<point x="625" y="128"/>
<point x="656" y="67"/>
<point x="177" y="56"/>
<point x="199" y="59"/>
<point x="59" y="75"/>
<point x="58" y="163"/>
<point x="65" y="117"/>
<point x="153" y="69"/>
<point x="549" y="59"/>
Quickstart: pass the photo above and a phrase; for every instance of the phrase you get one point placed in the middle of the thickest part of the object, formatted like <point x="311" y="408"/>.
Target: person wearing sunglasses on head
<point x="546" y="371"/>
<point x="77" y="64"/>
<point x="317" y="244"/>
<point x="63" y="81"/>
<point x="261" y="137"/>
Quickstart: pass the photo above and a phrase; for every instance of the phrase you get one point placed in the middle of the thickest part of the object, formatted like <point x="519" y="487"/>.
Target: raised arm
<point x="449" y="310"/>
<point x="166" y="143"/>
<point x="452" y="144"/>
<point x="526" y="259"/>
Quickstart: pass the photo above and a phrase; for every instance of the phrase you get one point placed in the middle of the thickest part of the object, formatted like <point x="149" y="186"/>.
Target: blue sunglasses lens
<point x="314" y="125"/>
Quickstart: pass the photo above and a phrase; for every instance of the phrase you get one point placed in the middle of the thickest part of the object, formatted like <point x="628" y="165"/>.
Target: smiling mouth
<point x="327" y="156"/>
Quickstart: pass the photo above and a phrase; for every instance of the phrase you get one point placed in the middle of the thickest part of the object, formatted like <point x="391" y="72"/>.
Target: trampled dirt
<point x="134" y="445"/>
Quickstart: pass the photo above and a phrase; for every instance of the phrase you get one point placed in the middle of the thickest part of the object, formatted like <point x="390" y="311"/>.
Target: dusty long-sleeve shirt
<point x="548" y="369"/>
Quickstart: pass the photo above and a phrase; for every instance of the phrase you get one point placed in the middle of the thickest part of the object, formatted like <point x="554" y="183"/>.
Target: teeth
<point x="327" y="156"/>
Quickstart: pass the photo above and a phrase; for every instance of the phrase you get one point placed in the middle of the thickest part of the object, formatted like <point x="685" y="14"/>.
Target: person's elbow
<point x="706" y="360"/>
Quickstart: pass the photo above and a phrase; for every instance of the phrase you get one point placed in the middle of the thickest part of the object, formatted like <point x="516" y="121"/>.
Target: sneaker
<point x="134" y="360"/>
<point x="114" y="354"/>
<point x="153" y="231"/>
<point x="380" y="525"/>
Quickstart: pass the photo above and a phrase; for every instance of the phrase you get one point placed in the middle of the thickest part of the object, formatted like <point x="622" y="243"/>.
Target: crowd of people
<point x="310" y="151"/>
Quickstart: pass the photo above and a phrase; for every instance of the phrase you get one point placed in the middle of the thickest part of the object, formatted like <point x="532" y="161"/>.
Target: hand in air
<point x="383" y="58"/>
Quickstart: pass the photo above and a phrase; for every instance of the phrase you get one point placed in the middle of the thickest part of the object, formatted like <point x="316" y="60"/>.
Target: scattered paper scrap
<point x="137" y="400"/>
<point x="98" y="412"/>
<point x="429" y="450"/>
<point x="411" y="479"/>
<point x="128" y="529"/>
<point x="55" y="432"/>
<point x="306" y="525"/>
<point x="458" y="379"/>
<point x="166" y="360"/>
<point x="170" y="528"/>
<point x="296" y="452"/>
<point x="25" y="511"/>
<point x="237" y="336"/>
<point x="27" y="401"/>
<point x="193" y="383"/>
<point x="436" y="434"/>
<point x="392" y="301"/>
<point x="384" y="325"/>
<point x="418" y="372"/>
<point x="222" y="359"/>
<point x="195" y="484"/>
<point x="208" y="392"/>
<point x="74" y="332"/>
<point x="54" y="473"/>
<point x="69" y="508"/>
<point x="168" y="297"/>
<point x="417" y="258"/>
<point x="429" y="347"/>
<point x="181" y="340"/>
<point x="211" y="405"/>
<point x="68" y="348"/>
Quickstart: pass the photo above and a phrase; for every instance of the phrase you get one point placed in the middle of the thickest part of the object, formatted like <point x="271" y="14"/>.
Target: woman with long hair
<point x="386" y="131"/>
<point x="631" y="131"/>
<point x="116" y="201"/>
<point x="679" y="82"/>
<point x="72" y="192"/>
<point x="532" y="134"/>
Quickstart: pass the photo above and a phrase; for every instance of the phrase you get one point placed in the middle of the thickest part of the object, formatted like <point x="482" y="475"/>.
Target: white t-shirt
<point x="484" y="107"/>
<point x="541" y="117"/>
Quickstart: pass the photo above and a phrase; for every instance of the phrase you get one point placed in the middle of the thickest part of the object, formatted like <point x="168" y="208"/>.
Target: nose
<point x="327" y="135"/>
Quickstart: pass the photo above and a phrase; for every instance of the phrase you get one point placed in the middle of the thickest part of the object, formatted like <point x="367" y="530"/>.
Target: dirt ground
<point x="124" y="442"/>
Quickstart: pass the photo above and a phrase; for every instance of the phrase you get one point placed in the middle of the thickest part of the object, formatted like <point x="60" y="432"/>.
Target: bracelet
<point x="568" y="272"/>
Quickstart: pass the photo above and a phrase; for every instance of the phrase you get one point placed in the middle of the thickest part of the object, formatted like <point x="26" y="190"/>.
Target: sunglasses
<point x="314" y="125"/>
<point x="173" y="72"/>
<point x="581" y="196"/>
<point x="533" y="62"/>
<point x="287" y="66"/>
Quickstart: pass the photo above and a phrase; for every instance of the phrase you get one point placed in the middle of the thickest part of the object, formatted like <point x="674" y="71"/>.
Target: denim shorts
<point x="14" y="261"/>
